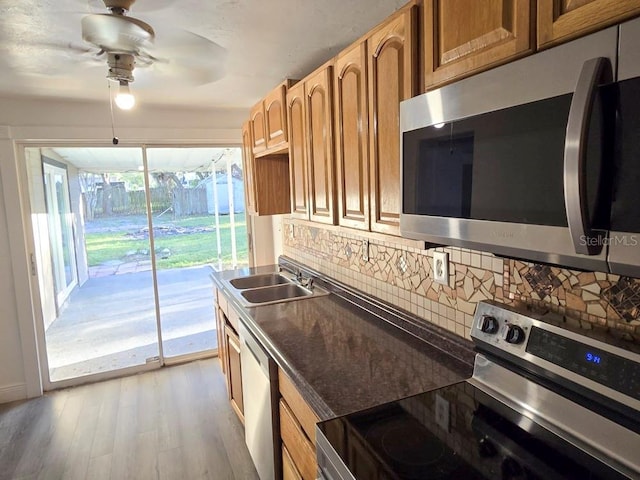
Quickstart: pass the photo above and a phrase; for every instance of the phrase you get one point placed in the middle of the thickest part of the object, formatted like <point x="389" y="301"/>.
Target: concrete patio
<point x="109" y="323"/>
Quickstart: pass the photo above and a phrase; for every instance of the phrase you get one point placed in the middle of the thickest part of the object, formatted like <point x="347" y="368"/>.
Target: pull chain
<point x="115" y="140"/>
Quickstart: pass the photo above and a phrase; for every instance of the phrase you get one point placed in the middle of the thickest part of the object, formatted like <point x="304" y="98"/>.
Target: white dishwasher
<point x="259" y="394"/>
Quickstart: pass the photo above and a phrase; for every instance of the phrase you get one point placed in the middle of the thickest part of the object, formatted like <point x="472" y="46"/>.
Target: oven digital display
<point x="593" y="358"/>
<point x="600" y="366"/>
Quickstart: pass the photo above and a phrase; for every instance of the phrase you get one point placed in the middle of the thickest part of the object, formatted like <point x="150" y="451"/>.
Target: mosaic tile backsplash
<point x="403" y="276"/>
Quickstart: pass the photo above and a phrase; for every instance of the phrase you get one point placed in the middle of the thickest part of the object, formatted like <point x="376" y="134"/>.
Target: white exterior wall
<point x="46" y="122"/>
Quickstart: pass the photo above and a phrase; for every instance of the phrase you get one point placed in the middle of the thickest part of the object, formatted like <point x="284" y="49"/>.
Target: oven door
<point x="511" y="161"/>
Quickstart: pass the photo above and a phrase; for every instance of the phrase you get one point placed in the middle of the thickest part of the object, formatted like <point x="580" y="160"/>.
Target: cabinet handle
<point x="575" y="155"/>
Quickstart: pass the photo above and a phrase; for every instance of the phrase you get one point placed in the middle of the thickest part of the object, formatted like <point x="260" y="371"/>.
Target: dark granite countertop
<point x="342" y="357"/>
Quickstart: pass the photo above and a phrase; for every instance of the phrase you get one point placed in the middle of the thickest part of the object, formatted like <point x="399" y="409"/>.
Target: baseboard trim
<point x="12" y="393"/>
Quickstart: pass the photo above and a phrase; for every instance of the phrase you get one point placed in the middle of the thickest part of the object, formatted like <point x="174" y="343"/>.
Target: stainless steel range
<point x="545" y="402"/>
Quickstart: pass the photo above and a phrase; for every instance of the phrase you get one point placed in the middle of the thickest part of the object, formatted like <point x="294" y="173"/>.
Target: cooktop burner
<point x="407" y="448"/>
<point x="405" y="444"/>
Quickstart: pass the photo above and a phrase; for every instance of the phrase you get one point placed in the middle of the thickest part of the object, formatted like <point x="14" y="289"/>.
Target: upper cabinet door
<point x="258" y="127"/>
<point x="352" y="137"/>
<point x="320" y="158"/>
<point x="276" y="117"/>
<point x="562" y="20"/>
<point x="391" y="59"/>
<point x="462" y="37"/>
<point x="297" y="151"/>
<point x="248" y="168"/>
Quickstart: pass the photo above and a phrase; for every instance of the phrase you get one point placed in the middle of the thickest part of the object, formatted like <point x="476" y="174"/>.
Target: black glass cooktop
<point x="455" y="432"/>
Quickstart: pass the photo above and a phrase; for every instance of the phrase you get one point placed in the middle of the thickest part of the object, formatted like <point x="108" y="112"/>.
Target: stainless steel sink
<point x="261" y="280"/>
<point x="273" y="287"/>
<point x="275" y="294"/>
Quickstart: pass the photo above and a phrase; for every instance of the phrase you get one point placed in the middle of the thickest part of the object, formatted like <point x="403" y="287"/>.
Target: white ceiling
<point x="267" y="41"/>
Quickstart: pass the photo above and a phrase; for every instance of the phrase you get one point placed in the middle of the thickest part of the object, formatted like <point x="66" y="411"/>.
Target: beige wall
<point x="40" y="122"/>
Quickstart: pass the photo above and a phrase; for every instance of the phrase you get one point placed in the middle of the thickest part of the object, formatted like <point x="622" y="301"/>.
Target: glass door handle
<point x="584" y="238"/>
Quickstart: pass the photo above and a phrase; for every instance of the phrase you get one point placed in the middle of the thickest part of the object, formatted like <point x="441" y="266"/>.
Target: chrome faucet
<point x="308" y="283"/>
<point x="304" y="282"/>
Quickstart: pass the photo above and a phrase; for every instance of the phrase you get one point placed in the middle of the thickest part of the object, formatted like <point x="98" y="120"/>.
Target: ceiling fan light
<point x="124" y="98"/>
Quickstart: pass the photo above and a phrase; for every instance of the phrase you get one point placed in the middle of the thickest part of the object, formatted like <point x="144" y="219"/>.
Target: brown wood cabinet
<point x="271" y="177"/>
<point x="220" y="307"/>
<point x="227" y="321"/>
<point x="234" y="371"/>
<point x="266" y="179"/>
<point x="266" y="162"/>
<point x="248" y="169"/>
<point x="462" y="37"/>
<point x="320" y="153"/>
<point x="562" y="20"/>
<point x="352" y="136"/>
<point x="276" y="117"/>
<point x="258" y="128"/>
<point x="296" y="113"/>
<point x="289" y="470"/>
<point x="269" y="122"/>
<point x="297" y="431"/>
<point x="392" y="68"/>
<point x="222" y="356"/>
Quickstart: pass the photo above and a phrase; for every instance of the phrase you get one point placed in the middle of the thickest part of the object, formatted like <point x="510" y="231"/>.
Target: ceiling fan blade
<point x="116" y="33"/>
<point x="195" y="59"/>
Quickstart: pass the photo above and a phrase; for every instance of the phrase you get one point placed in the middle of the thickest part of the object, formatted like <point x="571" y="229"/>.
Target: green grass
<point x="107" y="240"/>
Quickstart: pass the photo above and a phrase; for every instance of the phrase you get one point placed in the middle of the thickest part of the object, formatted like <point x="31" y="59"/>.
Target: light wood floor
<point x="172" y="423"/>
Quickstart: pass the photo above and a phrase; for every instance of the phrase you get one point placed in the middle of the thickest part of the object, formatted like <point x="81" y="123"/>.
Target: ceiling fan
<point x="127" y="42"/>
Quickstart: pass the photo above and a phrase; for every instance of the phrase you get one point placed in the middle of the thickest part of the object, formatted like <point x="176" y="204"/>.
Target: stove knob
<point x="489" y="324"/>
<point x="486" y="449"/>
<point x="515" y="334"/>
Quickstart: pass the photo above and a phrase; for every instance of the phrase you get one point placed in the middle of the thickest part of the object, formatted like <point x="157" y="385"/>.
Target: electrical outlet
<point x="443" y="413"/>
<point x="365" y="250"/>
<point x="441" y="268"/>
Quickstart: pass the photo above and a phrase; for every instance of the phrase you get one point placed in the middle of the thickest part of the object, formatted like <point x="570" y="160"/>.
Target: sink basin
<point x="262" y="280"/>
<point x="274" y="294"/>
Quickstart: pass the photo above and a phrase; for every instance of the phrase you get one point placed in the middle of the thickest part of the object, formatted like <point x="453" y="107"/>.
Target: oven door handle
<point x="585" y="239"/>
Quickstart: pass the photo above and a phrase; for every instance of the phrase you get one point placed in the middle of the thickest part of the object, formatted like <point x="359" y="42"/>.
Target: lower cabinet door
<point x="222" y="351"/>
<point x="234" y="372"/>
<point x="302" y="452"/>
<point x="289" y="470"/>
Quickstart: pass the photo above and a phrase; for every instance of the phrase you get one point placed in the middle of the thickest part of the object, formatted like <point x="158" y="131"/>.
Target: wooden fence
<point x="187" y="201"/>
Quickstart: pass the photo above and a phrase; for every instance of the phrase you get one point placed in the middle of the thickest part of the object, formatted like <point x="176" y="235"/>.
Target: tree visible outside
<point x="182" y="206"/>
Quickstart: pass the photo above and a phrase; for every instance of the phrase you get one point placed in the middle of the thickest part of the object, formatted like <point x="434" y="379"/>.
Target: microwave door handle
<point x="575" y="157"/>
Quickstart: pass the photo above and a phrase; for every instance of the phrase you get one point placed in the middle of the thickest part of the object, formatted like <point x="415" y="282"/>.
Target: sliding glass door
<point x="105" y="323"/>
<point x="198" y="196"/>
<point x="152" y="225"/>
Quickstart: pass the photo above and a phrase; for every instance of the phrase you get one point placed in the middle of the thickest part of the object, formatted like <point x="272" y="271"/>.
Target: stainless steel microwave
<point x="538" y="159"/>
